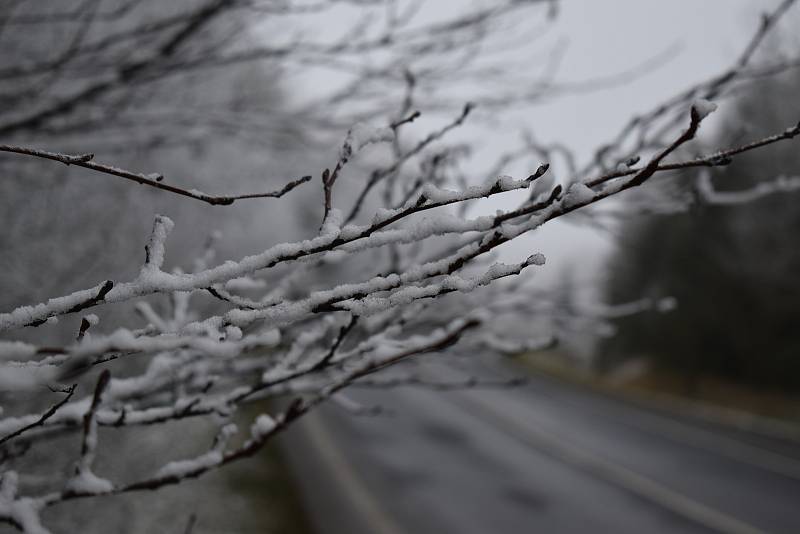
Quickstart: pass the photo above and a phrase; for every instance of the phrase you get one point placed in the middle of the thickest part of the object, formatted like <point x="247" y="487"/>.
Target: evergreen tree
<point x="734" y="270"/>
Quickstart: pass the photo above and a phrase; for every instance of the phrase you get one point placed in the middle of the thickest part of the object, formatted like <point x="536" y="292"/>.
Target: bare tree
<point x="367" y="289"/>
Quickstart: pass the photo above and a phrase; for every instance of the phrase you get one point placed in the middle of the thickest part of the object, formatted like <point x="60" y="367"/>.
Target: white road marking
<point x="615" y="474"/>
<point x="709" y="441"/>
<point x="365" y="504"/>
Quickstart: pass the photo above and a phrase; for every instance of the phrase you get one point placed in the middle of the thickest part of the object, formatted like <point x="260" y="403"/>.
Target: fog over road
<point x="546" y="457"/>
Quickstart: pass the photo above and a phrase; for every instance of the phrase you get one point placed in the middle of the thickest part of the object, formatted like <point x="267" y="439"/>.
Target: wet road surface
<point x="547" y="457"/>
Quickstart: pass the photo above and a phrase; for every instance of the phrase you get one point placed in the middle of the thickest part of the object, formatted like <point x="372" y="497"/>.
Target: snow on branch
<point x="709" y="195"/>
<point x="720" y="158"/>
<point x="358" y="137"/>
<point x="286" y="324"/>
<point x="332" y="238"/>
<point x="22" y="512"/>
<point x="84" y="481"/>
<point x="338" y="238"/>
<point x="155" y="180"/>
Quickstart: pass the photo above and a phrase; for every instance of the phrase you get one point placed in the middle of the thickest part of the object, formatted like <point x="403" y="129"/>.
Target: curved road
<point x="543" y="458"/>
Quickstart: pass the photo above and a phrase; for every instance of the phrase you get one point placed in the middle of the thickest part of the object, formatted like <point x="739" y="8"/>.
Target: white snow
<point x="88" y="482"/>
<point x="214" y="457"/>
<point x="162" y="226"/>
<point x="16" y="350"/>
<point x="711" y="196"/>
<point x="543" y="186"/>
<point x="511" y="346"/>
<point x="183" y="468"/>
<point x="373" y="304"/>
<point x="578" y="194"/>
<point x="55" y="306"/>
<point x="666" y="304"/>
<point x="499" y="184"/>
<point x="244" y="283"/>
<point x="704" y="107"/>
<point x="537" y="259"/>
<point x="22" y="511"/>
<point x="153" y="280"/>
<point x="361" y="135"/>
<point x="263" y="425"/>
<point x="22" y="378"/>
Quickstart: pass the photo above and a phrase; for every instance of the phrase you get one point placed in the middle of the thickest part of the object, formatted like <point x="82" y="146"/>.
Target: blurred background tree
<point x="124" y="80"/>
<point x="733" y="269"/>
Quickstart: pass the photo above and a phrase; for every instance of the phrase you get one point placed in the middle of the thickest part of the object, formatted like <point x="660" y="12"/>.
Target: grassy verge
<point x="708" y="398"/>
<point x="264" y="486"/>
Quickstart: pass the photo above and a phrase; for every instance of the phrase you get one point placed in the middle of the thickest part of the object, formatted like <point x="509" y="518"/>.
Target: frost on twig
<point x="303" y="321"/>
<point x="84" y="481"/>
<point x="44" y="417"/>
<point x="358" y="137"/>
<point x="312" y="347"/>
<point x="155" y="249"/>
<point x="181" y="469"/>
<point x="362" y="135"/>
<point x="703" y="108"/>
<point x="22" y="512"/>
<point x="709" y="195"/>
<point x="309" y="345"/>
<point x="87" y="322"/>
<point x="155" y="180"/>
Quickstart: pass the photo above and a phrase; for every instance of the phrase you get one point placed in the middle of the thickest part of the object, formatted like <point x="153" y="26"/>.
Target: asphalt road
<point x="542" y="458"/>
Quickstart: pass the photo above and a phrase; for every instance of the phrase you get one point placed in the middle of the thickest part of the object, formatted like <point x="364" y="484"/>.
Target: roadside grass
<point x="265" y="484"/>
<point x="706" y="397"/>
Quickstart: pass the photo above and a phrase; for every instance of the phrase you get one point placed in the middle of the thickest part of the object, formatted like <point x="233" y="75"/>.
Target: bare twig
<point x="152" y="180"/>
<point x="723" y="157"/>
<point x="325" y="360"/>
<point x="379" y="175"/>
<point x="45" y="416"/>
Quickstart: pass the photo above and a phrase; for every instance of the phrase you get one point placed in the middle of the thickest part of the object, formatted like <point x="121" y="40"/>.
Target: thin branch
<point x="89" y="441"/>
<point x="190" y="524"/>
<point x="297" y="409"/>
<point x="84" y="481"/>
<point x="709" y="89"/>
<point x="696" y="117"/>
<point x="708" y="195"/>
<point x="152" y="180"/>
<point x="39" y="313"/>
<point x="45" y="416"/>
<point x="325" y="360"/>
<point x="720" y="158"/>
<point x="379" y="175"/>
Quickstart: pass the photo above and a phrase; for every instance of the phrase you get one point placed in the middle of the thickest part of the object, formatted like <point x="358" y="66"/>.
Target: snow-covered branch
<point x="155" y="180"/>
<point x="387" y="279"/>
<point x="709" y="195"/>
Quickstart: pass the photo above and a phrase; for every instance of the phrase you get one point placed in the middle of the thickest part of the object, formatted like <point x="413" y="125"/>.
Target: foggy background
<point x="725" y="339"/>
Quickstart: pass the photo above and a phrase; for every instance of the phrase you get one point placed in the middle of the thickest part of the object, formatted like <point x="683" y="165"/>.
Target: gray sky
<point x="602" y="38"/>
<point x="608" y="36"/>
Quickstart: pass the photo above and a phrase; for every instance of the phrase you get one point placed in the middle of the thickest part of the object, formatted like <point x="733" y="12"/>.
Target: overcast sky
<point x="600" y="38"/>
<point x="607" y="36"/>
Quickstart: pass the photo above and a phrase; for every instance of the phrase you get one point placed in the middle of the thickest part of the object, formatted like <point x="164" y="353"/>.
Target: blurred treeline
<point x="734" y="269"/>
<point x="113" y="78"/>
<point x="124" y="80"/>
